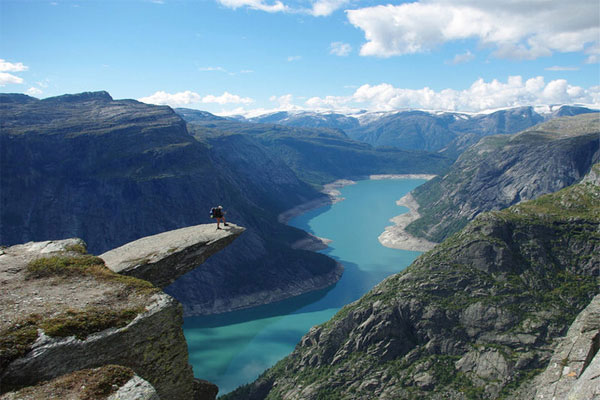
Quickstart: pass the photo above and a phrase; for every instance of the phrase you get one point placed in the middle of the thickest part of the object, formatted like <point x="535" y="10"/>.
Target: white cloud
<point x="174" y="100"/>
<point x="480" y="96"/>
<point x="206" y="69"/>
<point x="340" y="49"/>
<point x="188" y="98"/>
<point x="33" y="91"/>
<point x="6" y="66"/>
<point x="285" y="102"/>
<point x="227" y="98"/>
<point x="277" y="6"/>
<point x="294" y="58"/>
<point x="6" y="78"/>
<point x="524" y="29"/>
<point x="323" y="8"/>
<point x="559" y="68"/>
<point x="593" y="53"/>
<point x="463" y="58"/>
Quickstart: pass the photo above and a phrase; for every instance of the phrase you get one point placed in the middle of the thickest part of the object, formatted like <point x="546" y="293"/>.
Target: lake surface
<point x="234" y="348"/>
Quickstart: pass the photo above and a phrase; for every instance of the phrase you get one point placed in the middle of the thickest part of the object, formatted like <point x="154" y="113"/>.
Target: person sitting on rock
<point x="219" y="214"/>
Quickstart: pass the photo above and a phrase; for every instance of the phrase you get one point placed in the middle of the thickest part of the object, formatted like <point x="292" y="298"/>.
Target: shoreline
<point x="394" y="236"/>
<point x="332" y="196"/>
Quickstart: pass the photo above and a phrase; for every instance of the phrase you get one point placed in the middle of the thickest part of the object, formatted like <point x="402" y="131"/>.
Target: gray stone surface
<point x="164" y="257"/>
<point x="136" y="389"/>
<point x="573" y="373"/>
<point x="152" y="344"/>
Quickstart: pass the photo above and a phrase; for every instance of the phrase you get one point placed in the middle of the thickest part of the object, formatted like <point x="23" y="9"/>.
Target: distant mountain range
<point x="419" y="130"/>
<point x="317" y="155"/>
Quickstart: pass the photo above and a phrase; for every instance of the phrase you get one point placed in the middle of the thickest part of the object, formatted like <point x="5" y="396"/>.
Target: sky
<point x="255" y="56"/>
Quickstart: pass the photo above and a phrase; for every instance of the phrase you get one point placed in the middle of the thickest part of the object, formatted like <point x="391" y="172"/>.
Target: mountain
<point x="112" y="171"/>
<point x="320" y="155"/>
<point x="502" y="170"/>
<point x="475" y="318"/>
<point x="307" y="119"/>
<point x="421" y="130"/>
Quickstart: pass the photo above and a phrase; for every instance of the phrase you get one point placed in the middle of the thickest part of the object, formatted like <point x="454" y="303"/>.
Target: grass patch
<point x="62" y="266"/>
<point x="70" y="266"/>
<point x="77" y="248"/>
<point x="16" y="341"/>
<point x="86" y="384"/>
<point x="85" y="322"/>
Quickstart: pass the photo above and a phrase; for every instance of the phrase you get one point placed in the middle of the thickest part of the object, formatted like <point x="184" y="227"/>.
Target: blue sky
<point x="229" y="56"/>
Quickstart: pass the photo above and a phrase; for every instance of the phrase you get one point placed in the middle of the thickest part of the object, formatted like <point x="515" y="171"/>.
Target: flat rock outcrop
<point x="162" y="258"/>
<point x="62" y="310"/>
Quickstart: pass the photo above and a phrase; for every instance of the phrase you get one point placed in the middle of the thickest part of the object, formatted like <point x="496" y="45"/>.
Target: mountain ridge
<point x="502" y="170"/>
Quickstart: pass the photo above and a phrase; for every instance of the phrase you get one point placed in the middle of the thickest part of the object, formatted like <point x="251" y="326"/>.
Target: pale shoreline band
<point x="394" y="236"/>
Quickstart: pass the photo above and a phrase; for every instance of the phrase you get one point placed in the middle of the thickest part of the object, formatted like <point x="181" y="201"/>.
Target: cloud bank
<point x="188" y="98"/>
<point x="517" y="29"/>
<point x="277" y="6"/>
<point x="480" y="96"/>
<point x="6" y="67"/>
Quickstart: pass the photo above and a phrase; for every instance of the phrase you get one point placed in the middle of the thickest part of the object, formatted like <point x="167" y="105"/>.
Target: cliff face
<point x="318" y="155"/>
<point x="66" y="312"/>
<point x="161" y="259"/>
<point x="501" y="171"/>
<point x="472" y="319"/>
<point x="113" y="171"/>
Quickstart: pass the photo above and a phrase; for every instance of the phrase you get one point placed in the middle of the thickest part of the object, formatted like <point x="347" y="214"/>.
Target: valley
<point x="500" y="287"/>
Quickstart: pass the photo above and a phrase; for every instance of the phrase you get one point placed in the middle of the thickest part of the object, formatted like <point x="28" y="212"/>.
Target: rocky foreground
<point x="477" y="317"/>
<point x="68" y="322"/>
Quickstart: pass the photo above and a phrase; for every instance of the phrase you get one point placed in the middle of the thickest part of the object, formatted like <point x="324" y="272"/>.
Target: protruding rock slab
<point x="163" y="258"/>
<point x="64" y="319"/>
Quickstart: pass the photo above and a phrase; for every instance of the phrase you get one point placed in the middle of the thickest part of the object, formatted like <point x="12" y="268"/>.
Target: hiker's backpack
<point x="213" y="211"/>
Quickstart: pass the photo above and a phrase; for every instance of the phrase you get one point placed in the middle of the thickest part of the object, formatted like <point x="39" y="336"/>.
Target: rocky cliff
<point x="113" y="171"/>
<point x="474" y="318"/>
<point x="64" y="311"/>
<point x="161" y="259"/>
<point x="66" y="317"/>
<point x="500" y="171"/>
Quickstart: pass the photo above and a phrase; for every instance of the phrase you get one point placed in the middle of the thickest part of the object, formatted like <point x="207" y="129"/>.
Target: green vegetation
<point x="86" y="384"/>
<point x="84" y="265"/>
<point x="16" y="340"/>
<point x="82" y="323"/>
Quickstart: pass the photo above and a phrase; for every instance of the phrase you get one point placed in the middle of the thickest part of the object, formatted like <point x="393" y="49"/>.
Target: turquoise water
<point x="234" y="348"/>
